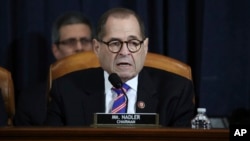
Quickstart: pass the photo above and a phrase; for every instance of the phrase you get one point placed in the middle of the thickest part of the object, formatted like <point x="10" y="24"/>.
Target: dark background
<point x="212" y="36"/>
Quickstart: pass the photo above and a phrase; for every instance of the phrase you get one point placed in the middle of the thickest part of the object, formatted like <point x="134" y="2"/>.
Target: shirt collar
<point x="132" y="82"/>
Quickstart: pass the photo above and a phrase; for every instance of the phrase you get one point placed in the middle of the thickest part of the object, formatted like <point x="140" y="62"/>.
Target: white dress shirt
<point x="111" y="95"/>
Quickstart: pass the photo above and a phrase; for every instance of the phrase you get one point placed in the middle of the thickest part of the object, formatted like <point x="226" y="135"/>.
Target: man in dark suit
<point x="121" y="47"/>
<point x="71" y="33"/>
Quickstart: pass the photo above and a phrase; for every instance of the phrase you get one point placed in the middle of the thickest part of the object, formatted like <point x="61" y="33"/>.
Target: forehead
<point x="75" y="30"/>
<point x="125" y="27"/>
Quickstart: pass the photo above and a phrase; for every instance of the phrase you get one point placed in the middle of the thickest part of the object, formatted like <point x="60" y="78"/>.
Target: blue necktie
<point x="120" y="102"/>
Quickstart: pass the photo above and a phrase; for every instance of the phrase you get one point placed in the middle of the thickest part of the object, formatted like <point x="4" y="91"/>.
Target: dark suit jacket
<point x="77" y="96"/>
<point x="31" y="106"/>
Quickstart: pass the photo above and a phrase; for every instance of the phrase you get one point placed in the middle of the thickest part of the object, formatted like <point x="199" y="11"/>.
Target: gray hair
<point x="119" y="13"/>
<point x="68" y="19"/>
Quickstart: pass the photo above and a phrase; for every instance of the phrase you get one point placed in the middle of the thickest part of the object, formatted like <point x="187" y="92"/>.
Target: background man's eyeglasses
<point x="115" y="46"/>
<point x="72" y="42"/>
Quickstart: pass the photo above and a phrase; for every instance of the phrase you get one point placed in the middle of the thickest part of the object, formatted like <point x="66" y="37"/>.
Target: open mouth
<point x="123" y="64"/>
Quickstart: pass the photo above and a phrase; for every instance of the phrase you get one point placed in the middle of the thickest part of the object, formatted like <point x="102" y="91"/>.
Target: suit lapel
<point x="146" y="95"/>
<point x="94" y="88"/>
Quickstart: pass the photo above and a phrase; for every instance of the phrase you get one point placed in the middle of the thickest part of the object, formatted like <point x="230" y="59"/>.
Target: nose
<point x="124" y="49"/>
<point x="79" y="47"/>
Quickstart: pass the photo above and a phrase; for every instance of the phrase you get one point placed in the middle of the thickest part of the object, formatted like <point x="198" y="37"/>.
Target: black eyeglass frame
<point x="121" y="42"/>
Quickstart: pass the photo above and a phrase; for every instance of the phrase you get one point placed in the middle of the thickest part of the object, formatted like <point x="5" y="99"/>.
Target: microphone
<point x="116" y="81"/>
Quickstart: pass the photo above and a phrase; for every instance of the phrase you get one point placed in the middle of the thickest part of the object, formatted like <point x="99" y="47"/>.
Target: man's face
<point x="74" y="38"/>
<point x="125" y="63"/>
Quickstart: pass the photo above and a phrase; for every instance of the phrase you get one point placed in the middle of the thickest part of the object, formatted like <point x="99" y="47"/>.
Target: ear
<point x="96" y="47"/>
<point x="145" y="45"/>
<point x="55" y="51"/>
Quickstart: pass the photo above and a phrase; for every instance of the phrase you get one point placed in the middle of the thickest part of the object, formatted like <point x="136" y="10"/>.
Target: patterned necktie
<point x="120" y="102"/>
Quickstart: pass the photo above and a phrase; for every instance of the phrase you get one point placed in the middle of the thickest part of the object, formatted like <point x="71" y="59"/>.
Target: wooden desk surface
<point x="98" y="134"/>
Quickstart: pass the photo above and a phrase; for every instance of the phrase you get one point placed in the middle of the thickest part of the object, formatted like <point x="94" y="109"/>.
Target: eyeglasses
<point x="115" y="46"/>
<point x="72" y="42"/>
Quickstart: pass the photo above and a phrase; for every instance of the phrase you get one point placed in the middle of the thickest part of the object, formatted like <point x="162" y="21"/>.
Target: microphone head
<point x="115" y="80"/>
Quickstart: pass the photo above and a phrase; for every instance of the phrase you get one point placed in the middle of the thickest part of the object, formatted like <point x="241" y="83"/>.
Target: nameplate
<point x="138" y="119"/>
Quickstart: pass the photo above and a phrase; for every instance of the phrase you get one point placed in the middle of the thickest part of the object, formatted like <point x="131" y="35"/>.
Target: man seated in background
<point x="121" y="47"/>
<point x="71" y="33"/>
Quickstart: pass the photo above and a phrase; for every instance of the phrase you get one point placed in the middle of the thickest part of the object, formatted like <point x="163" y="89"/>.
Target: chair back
<point x="88" y="59"/>
<point x="7" y="89"/>
<point x="79" y="61"/>
<point x="166" y="63"/>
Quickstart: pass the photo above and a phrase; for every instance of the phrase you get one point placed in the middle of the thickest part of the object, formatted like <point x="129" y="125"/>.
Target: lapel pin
<point x="141" y="104"/>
